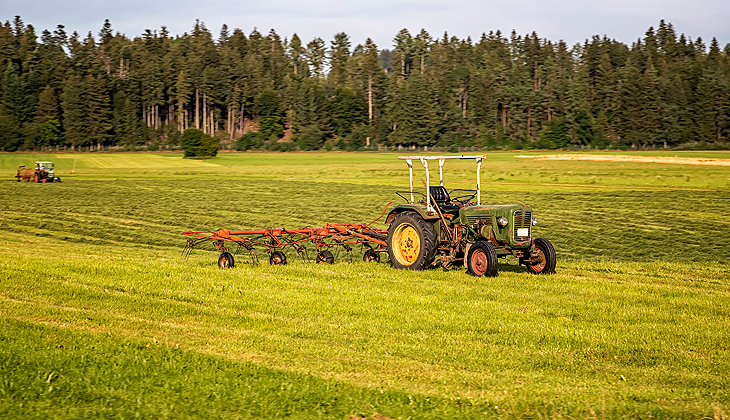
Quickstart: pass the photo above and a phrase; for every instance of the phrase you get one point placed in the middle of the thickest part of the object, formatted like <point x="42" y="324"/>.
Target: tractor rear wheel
<point x="411" y="242"/>
<point x="482" y="260"/>
<point x="371" y="255"/>
<point x="546" y="259"/>
<point x="225" y="260"/>
<point x="277" y="258"/>
<point x="325" y="257"/>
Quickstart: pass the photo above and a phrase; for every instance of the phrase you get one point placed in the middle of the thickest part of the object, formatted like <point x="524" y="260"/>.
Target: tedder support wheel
<point x="546" y="259"/>
<point x="277" y="258"/>
<point x="482" y="260"/>
<point x="411" y="242"/>
<point x="225" y="260"/>
<point x="325" y="257"/>
<point x="371" y="255"/>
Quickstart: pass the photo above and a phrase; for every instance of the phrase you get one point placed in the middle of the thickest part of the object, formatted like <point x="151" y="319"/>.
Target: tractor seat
<point x="439" y="194"/>
<point x="442" y="199"/>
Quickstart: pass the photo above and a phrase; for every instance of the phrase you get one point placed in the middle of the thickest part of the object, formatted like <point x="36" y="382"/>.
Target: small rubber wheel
<point x="325" y="257"/>
<point x="277" y="258"/>
<point x="546" y="258"/>
<point x="482" y="260"/>
<point x="225" y="260"/>
<point x="57" y="179"/>
<point x="371" y="255"/>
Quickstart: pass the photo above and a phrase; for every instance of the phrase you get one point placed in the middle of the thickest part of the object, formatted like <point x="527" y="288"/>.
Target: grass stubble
<point x="100" y="319"/>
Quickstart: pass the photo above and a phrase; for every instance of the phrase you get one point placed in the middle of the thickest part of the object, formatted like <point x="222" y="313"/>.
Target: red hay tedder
<point x="344" y="236"/>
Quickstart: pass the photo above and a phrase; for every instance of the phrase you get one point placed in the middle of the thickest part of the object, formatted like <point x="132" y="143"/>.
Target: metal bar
<point x="479" y="185"/>
<point x="424" y="162"/>
<point x="409" y="162"/>
<point x="441" y="171"/>
<point x="440" y="157"/>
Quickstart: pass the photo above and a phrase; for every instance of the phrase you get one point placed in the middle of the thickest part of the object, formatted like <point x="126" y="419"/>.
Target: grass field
<point x="100" y="319"/>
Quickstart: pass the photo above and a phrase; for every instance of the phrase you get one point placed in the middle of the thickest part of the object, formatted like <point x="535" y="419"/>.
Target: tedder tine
<point x="189" y="247"/>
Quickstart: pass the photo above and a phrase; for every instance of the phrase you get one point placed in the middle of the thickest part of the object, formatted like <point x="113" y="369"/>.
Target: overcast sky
<point x="569" y="20"/>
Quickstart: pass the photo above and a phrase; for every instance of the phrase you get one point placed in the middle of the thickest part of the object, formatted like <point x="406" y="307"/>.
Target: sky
<point x="572" y="21"/>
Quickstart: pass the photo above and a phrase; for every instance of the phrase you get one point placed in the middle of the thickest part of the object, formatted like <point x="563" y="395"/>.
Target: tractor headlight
<point x="503" y="221"/>
<point x="534" y="221"/>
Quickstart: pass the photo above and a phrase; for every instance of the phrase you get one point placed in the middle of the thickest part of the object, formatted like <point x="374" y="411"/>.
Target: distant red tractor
<point x="43" y="172"/>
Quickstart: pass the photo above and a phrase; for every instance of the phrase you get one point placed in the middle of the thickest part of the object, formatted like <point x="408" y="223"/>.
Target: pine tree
<point x="296" y="54"/>
<point x="338" y="55"/>
<point x="75" y="122"/>
<point x="403" y="47"/>
<point x="347" y="109"/>
<point x="316" y="56"/>
<point x="268" y="109"/>
<point x="413" y="114"/>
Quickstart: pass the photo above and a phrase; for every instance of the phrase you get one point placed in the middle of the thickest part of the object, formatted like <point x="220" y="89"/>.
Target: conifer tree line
<point x="259" y="91"/>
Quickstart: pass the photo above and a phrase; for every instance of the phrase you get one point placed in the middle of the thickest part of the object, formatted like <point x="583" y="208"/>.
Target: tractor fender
<point x="402" y="208"/>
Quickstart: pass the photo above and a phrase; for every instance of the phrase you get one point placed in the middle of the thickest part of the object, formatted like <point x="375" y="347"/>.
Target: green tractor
<point x="454" y="228"/>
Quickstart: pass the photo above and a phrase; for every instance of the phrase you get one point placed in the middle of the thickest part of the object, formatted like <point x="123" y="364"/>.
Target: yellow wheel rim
<point x="406" y="244"/>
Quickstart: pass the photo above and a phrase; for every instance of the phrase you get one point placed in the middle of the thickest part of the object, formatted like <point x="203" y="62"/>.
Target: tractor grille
<point x="522" y="221"/>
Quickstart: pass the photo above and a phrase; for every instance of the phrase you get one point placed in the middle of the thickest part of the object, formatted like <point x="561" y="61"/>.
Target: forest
<point x="256" y="91"/>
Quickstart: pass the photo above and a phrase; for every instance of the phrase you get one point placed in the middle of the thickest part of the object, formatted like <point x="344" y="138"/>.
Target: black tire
<point x="371" y="256"/>
<point x="481" y="260"/>
<point x="545" y="263"/>
<point x="225" y="260"/>
<point x="277" y="258"/>
<point x="411" y="242"/>
<point x="325" y="257"/>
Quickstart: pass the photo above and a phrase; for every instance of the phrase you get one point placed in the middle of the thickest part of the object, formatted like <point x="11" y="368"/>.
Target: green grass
<point x="98" y="317"/>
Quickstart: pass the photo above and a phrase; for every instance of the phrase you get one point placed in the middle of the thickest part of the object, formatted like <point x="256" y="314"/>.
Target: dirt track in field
<point x="638" y="159"/>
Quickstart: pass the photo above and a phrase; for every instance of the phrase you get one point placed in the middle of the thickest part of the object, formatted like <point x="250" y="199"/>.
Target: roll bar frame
<point x="424" y="161"/>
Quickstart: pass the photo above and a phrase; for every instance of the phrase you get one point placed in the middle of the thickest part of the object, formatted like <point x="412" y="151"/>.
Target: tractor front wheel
<point x="225" y="260"/>
<point x="411" y="242"/>
<point x="277" y="258"/>
<point x="482" y="260"/>
<point x="546" y="259"/>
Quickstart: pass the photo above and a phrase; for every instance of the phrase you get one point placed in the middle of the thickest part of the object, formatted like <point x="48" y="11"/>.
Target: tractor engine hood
<point x="511" y="223"/>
